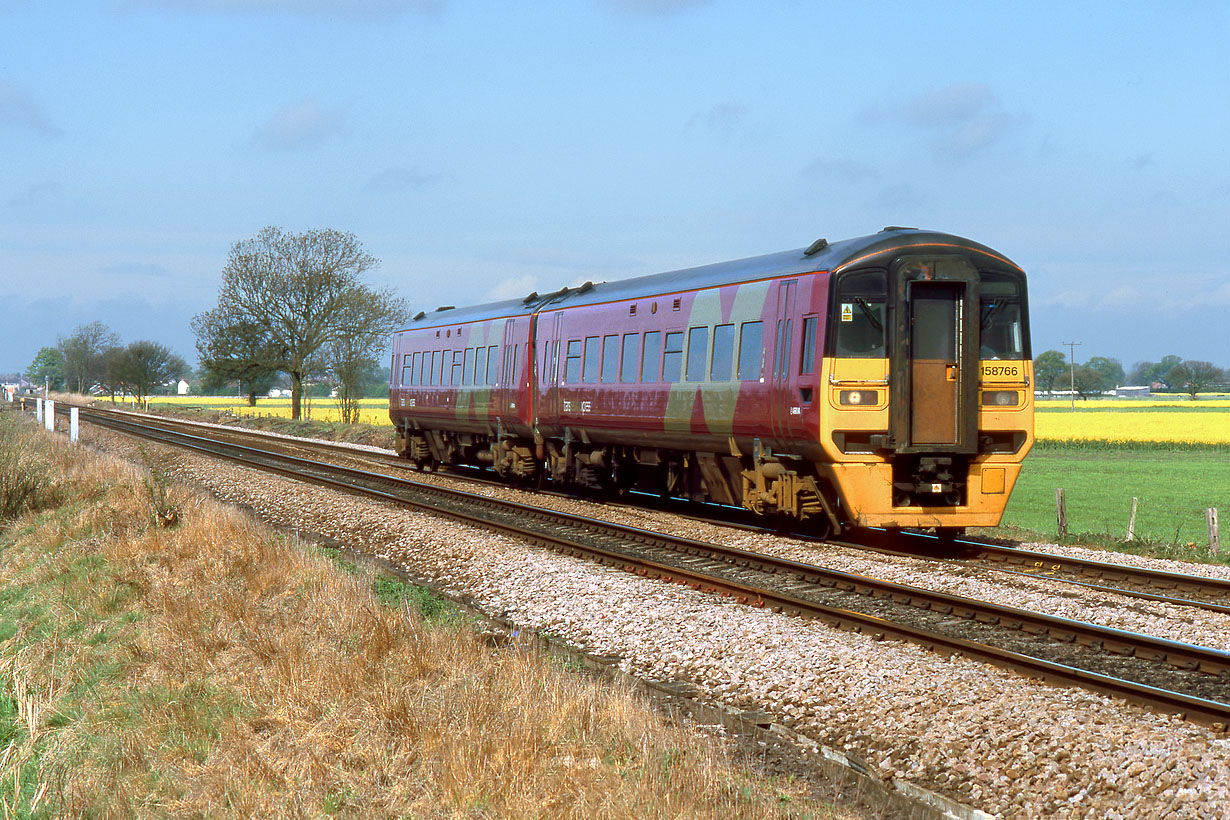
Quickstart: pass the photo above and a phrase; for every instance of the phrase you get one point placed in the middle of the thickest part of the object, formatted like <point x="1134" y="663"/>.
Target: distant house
<point x="182" y="387"/>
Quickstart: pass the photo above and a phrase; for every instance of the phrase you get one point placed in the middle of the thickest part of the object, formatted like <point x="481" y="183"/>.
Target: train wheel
<point x="819" y="526"/>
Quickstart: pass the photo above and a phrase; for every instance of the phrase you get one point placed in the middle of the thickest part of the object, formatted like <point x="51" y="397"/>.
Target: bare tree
<point x="1194" y="376"/>
<point x="371" y="316"/>
<point x="239" y="350"/>
<point x="83" y="350"/>
<point x="112" y="363"/>
<point x="297" y="288"/>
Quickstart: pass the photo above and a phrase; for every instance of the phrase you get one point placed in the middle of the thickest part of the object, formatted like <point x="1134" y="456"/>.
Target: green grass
<point x="1174" y="485"/>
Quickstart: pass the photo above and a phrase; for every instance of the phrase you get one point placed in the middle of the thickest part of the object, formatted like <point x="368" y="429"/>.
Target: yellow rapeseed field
<point x="1206" y="421"/>
<point x="1195" y="426"/>
<point x="371" y="411"/>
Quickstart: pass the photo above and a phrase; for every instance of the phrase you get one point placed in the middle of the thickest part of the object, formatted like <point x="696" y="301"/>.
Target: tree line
<point x="289" y="303"/>
<point x="1173" y="374"/>
<point x="92" y="357"/>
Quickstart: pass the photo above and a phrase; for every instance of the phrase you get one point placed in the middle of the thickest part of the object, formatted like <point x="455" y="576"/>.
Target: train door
<point x="506" y="390"/>
<point x="935" y="361"/>
<point x="781" y="394"/>
<point x="935" y="366"/>
<point x="548" y="377"/>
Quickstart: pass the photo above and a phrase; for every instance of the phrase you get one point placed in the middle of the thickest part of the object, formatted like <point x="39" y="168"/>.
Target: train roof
<point x="821" y="255"/>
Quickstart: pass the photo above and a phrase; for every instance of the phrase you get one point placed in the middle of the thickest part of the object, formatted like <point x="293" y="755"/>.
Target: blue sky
<point x="486" y="149"/>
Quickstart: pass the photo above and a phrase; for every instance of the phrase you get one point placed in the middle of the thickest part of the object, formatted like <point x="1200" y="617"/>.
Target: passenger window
<point x="458" y="358"/>
<point x="672" y="357"/>
<point x="435" y="367"/>
<point x="627" y="368"/>
<point x="407" y="370"/>
<point x="610" y="359"/>
<point x="651" y="352"/>
<point x="807" y="362"/>
<point x="1001" y="328"/>
<point x="723" y="353"/>
<point x="572" y="365"/>
<point x="698" y="353"/>
<point x="751" y="349"/>
<point x="593" y="356"/>
<point x="467" y="366"/>
<point x="493" y="363"/>
<point x="859" y="315"/>
<point x="416" y="370"/>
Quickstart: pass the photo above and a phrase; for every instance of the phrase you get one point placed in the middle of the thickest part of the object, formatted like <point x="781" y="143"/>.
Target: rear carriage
<point x="874" y="382"/>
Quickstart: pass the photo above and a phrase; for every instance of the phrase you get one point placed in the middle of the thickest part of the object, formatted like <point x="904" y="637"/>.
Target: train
<point x="876" y="382"/>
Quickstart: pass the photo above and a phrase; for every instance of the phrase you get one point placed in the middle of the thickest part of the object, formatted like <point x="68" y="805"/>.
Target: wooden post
<point x="1061" y="512"/>
<point x="1214" y="538"/>
<point x="1131" y="533"/>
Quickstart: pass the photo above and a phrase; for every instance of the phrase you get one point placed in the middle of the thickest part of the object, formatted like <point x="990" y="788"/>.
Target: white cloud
<point x="513" y="288"/>
<point x="20" y="111"/>
<point x="723" y="118"/>
<point x="304" y="124"/>
<point x="396" y="179"/>
<point x="333" y="9"/>
<point x="842" y="169"/>
<point x="963" y="119"/>
<point x="655" y="7"/>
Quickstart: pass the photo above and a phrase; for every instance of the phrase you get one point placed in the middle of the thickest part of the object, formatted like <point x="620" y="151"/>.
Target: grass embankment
<point x="214" y="668"/>
<point x="1173" y="483"/>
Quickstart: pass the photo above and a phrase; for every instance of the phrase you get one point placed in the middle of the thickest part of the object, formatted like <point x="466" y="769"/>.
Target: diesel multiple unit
<point x="882" y="381"/>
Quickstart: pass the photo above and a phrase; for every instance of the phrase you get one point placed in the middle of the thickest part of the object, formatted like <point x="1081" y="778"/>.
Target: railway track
<point x="1166" y="675"/>
<point x="1144" y="583"/>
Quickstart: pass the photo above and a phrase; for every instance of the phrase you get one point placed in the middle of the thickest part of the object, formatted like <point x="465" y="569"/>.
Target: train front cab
<point x="927" y="379"/>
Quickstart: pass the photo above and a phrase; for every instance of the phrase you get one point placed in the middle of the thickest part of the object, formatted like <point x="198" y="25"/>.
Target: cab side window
<point x="859" y="315"/>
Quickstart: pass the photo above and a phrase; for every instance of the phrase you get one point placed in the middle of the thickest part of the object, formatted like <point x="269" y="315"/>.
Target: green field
<point x="1174" y="487"/>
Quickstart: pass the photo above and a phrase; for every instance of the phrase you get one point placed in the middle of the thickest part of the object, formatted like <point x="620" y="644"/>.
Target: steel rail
<point x="1173" y="652"/>
<point x="1022" y="562"/>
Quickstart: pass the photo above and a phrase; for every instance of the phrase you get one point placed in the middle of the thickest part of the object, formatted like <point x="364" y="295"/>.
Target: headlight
<point x="858" y="397"/>
<point x="1000" y="398"/>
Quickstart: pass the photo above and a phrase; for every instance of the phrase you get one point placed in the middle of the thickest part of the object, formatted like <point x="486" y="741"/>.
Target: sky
<point x="483" y="150"/>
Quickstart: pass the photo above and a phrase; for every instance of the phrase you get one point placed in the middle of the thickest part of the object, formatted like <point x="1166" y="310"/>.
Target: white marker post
<point x="38" y="410"/>
<point x="73" y="426"/>
<point x="49" y="414"/>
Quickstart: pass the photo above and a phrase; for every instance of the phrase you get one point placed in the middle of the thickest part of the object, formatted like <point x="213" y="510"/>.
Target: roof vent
<point x="588" y="286"/>
<point x="530" y="298"/>
<point x="898" y="228"/>
<point x="445" y="307"/>
<point x="817" y="246"/>
<point x="420" y="315"/>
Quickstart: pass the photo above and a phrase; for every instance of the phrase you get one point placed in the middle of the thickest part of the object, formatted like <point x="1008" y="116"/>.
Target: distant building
<point x="182" y="387"/>
<point x="1132" y="392"/>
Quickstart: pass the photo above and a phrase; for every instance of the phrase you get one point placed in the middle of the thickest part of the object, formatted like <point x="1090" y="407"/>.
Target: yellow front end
<point x="855" y="439"/>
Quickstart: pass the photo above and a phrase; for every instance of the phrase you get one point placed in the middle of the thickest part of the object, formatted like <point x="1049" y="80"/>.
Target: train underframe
<point x="918" y="491"/>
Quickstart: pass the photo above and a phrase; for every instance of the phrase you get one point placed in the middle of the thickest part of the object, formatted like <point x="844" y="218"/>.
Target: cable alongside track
<point x="1167" y="675"/>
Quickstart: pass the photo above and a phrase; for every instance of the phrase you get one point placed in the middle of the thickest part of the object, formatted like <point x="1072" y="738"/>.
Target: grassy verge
<point x="213" y="668"/>
<point x="1174" y="484"/>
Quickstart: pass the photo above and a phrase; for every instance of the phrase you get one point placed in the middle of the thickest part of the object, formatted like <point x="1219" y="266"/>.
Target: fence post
<point x="1131" y="533"/>
<point x="73" y="425"/>
<point x="38" y="410"/>
<point x="1061" y="512"/>
<point x="49" y="414"/>
<point x="1214" y="538"/>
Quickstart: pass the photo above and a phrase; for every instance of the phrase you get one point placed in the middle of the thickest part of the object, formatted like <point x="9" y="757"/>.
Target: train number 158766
<point x="1001" y="370"/>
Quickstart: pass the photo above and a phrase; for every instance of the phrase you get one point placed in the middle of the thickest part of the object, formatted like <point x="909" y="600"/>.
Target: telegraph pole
<point x="1072" y="371"/>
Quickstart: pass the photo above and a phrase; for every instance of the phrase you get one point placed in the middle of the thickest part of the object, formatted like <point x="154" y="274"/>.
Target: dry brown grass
<point x="216" y="669"/>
